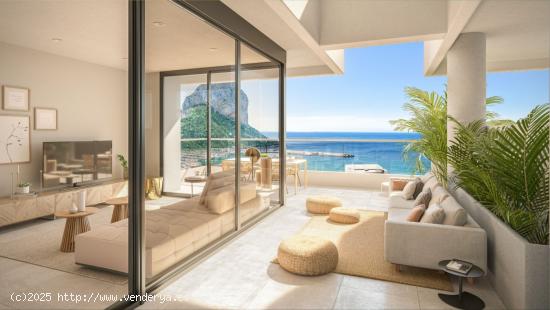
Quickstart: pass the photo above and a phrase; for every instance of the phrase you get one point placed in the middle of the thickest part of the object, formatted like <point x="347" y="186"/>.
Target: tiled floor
<point x="240" y="274"/>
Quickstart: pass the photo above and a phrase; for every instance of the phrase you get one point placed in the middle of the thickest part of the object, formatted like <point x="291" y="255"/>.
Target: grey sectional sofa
<point x="424" y="245"/>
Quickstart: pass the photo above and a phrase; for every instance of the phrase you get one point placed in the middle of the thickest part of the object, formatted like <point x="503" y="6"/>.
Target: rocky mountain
<point x="222" y="101"/>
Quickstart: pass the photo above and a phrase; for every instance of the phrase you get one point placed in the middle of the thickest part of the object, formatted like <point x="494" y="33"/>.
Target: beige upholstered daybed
<point x="173" y="232"/>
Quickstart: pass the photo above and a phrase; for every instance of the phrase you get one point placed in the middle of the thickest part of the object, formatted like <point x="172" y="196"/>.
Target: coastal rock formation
<point x="223" y="101"/>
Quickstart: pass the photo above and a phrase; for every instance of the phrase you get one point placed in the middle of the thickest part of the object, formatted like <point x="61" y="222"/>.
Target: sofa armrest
<point x="424" y="245"/>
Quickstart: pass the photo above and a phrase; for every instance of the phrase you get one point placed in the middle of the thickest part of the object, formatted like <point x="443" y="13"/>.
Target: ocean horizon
<point x="389" y="154"/>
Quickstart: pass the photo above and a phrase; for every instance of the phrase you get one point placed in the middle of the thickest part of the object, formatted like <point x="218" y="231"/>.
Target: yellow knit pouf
<point x="322" y="204"/>
<point x="307" y="255"/>
<point x="344" y="215"/>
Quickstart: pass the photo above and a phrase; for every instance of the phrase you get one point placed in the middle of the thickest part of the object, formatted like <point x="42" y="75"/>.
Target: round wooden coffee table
<point x="76" y="223"/>
<point x="120" y="210"/>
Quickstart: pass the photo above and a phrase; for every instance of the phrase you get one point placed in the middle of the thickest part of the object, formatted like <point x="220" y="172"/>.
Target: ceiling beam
<point x="280" y="8"/>
<point x="459" y="21"/>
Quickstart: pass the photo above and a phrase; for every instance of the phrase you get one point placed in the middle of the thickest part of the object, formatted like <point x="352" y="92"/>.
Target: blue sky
<point x="370" y="93"/>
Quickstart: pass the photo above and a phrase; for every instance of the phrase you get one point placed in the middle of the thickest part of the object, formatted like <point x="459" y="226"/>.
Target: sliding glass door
<point x="213" y="130"/>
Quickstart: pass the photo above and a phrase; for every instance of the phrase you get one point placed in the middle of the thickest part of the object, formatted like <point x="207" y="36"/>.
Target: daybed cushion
<point x="172" y="233"/>
<point x="222" y="199"/>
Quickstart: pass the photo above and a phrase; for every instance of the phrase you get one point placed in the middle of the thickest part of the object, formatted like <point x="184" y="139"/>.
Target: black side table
<point x="462" y="300"/>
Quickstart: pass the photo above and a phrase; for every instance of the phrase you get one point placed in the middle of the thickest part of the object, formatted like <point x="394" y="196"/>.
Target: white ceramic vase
<point x="81" y="201"/>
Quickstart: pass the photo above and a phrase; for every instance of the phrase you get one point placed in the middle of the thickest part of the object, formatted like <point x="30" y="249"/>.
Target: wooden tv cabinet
<point x="46" y="203"/>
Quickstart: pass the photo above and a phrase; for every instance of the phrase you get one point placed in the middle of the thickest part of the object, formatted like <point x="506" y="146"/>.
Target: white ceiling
<point x="518" y="32"/>
<point x="96" y="31"/>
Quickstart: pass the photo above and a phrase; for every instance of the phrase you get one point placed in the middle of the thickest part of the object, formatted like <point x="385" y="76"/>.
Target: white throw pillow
<point x="408" y="190"/>
<point x="434" y="215"/>
<point x="454" y="212"/>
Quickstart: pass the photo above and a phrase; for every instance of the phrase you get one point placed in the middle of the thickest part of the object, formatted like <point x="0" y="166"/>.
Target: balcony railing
<point x="321" y="154"/>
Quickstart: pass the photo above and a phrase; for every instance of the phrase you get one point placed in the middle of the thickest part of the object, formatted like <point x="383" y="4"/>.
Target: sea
<point x="385" y="152"/>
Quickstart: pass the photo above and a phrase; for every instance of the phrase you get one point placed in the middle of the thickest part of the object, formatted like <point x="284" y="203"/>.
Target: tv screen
<point x="67" y="163"/>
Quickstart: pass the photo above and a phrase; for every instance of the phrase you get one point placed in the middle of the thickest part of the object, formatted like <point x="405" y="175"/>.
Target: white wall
<point x="91" y="101"/>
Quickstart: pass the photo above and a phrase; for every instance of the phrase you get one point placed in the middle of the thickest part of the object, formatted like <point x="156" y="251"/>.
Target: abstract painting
<point x="15" y="139"/>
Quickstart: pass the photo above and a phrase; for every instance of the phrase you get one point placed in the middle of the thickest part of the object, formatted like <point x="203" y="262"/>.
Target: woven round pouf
<point x="322" y="204"/>
<point x="344" y="215"/>
<point x="307" y="255"/>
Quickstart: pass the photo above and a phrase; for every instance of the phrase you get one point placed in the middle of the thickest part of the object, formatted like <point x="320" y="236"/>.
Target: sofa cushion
<point x="416" y="213"/>
<point x="424" y="197"/>
<point x="409" y="189"/>
<point x="398" y="214"/>
<point x="438" y="195"/>
<point x="426" y="177"/>
<point x="454" y="212"/>
<point x="398" y="201"/>
<point x="433" y="215"/>
<point x="431" y="184"/>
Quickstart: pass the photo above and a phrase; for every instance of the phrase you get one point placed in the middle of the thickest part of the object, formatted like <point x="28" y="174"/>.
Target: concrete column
<point x="466" y="82"/>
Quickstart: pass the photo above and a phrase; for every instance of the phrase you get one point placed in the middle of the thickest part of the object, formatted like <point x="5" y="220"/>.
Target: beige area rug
<point x="361" y="251"/>
<point x="37" y="242"/>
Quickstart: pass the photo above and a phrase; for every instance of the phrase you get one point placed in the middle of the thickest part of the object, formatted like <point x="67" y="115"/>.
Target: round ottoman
<point x="322" y="204"/>
<point x="307" y="255"/>
<point x="344" y="215"/>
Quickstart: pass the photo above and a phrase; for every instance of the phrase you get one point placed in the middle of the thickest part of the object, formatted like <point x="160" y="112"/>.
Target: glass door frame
<point x="208" y="71"/>
<point x="222" y="17"/>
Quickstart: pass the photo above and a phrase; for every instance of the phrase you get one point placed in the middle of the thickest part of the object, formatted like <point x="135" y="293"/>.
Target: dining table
<point x="299" y="164"/>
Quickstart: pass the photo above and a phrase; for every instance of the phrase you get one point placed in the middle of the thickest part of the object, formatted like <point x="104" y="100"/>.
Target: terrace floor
<point x="240" y="274"/>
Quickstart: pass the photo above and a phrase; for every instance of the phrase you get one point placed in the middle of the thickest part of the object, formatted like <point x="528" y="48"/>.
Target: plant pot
<point x="125" y="173"/>
<point x="23" y="190"/>
<point x="518" y="270"/>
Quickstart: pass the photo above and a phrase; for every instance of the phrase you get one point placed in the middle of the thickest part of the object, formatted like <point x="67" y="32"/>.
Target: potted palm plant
<point x="501" y="176"/>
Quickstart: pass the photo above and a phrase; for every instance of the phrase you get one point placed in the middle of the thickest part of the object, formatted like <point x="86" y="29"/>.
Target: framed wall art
<point x="45" y="119"/>
<point x="15" y="98"/>
<point x="15" y="139"/>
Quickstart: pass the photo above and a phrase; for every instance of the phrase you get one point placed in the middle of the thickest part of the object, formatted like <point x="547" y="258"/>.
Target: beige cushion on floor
<point x="322" y="204"/>
<point x="307" y="255"/>
<point x="344" y="215"/>
<point x="434" y="215"/>
<point x="454" y="212"/>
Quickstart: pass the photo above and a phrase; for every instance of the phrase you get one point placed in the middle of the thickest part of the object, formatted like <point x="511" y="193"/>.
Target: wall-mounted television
<point x="78" y="162"/>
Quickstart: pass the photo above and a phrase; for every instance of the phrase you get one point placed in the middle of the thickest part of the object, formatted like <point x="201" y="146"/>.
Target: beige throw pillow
<point x="424" y="197"/>
<point x="454" y="212"/>
<point x="433" y="215"/>
<point x="408" y="190"/>
<point x="416" y="213"/>
<point x="215" y="176"/>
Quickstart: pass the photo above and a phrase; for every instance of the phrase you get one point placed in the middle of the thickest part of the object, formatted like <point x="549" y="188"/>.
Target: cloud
<point x="337" y="123"/>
